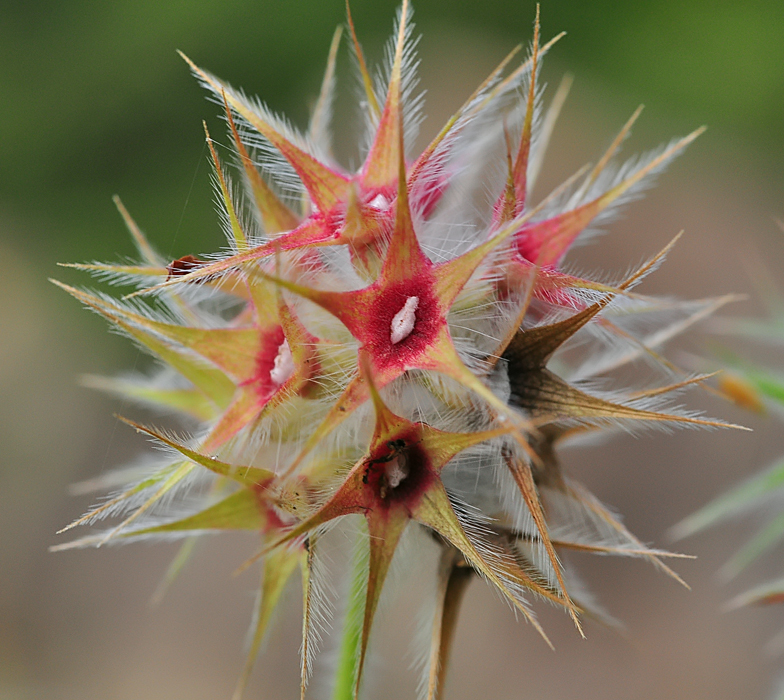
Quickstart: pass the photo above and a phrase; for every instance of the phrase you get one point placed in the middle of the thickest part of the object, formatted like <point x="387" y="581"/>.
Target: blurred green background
<point x="95" y="102"/>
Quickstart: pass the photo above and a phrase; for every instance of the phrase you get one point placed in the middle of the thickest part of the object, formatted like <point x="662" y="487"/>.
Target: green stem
<point x="346" y="671"/>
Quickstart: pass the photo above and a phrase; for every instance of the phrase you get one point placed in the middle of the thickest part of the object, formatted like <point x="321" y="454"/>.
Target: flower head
<point x="394" y="345"/>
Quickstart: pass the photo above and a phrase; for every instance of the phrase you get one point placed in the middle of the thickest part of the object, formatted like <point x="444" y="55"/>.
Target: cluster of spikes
<point x="397" y="353"/>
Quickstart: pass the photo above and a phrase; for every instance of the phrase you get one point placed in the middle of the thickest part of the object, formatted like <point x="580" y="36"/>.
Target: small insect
<point x="395" y="470"/>
<point x="184" y="265"/>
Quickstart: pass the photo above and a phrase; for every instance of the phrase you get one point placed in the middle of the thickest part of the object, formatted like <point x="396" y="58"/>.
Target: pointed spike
<point x="533" y="347"/>
<point x="641" y="349"/>
<point x="264" y="297"/>
<point x="168" y="484"/>
<point x="620" y="550"/>
<point x="145" y="249"/>
<point x="442" y="446"/>
<point x="614" y="146"/>
<point x="381" y="167"/>
<point x="506" y="206"/>
<point x="424" y="158"/>
<point x="278" y="568"/>
<point x="247" y="476"/>
<point x="189" y="401"/>
<point x="436" y="512"/>
<point x="570" y="224"/>
<point x="275" y="215"/>
<point x="310" y="233"/>
<point x="468" y="110"/>
<point x="548" y="398"/>
<point x="301" y="342"/>
<point x="514" y="75"/>
<point x="238" y="511"/>
<point x="550" y="239"/>
<point x="404" y="257"/>
<point x="546" y="130"/>
<point x="386" y="421"/>
<point x="367" y="81"/>
<point x="519" y="568"/>
<point x="348" y="307"/>
<point x="589" y="501"/>
<point x="658" y="391"/>
<point x="603" y="201"/>
<point x="125" y="495"/>
<point x="524" y="479"/>
<point x="240" y="239"/>
<point x="520" y="172"/>
<point x="233" y="350"/>
<point x="140" y="270"/>
<point x="213" y="383"/>
<point x="384" y="532"/>
<point x="325" y="186"/>
<point x="655" y="163"/>
<point x="318" y="128"/>
<point x="647" y="267"/>
<point x="306" y="571"/>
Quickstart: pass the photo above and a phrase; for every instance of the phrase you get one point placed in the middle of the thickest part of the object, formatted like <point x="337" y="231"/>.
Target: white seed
<point x="404" y="320"/>
<point x="283" y="367"/>
<point x="396" y="470"/>
<point x="379" y="202"/>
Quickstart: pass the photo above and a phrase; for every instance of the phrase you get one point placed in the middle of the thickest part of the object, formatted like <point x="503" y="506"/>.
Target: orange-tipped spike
<point x="546" y="130"/>
<point x="247" y="476"/>
<point x="382" y="164"/>
<point x="148" y="253"/>
<point x="437" y="513"/>
<point x="240" y="239"/>
<point x="367" y="81"/>
<point x="521" y="473"/>
<point x="547" y="241"/>
<point x="384" y="532"/>
<point x="275" y="215"/>
<point x="318" y="128"/>
<point x="326" y="187"/>
<point x="520" y="171"/>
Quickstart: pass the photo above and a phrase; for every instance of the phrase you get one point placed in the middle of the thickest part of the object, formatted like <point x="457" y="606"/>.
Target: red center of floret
<point x="264" y="378"/>
<point x="398" y="471"/>
<point x="402" y="323"/>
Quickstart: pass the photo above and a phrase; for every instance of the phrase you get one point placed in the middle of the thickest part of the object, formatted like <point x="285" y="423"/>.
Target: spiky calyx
<point x="390" y="355"/>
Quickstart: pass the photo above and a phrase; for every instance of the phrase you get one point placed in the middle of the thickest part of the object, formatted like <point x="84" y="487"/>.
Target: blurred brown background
<point x="95" y="102"/>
